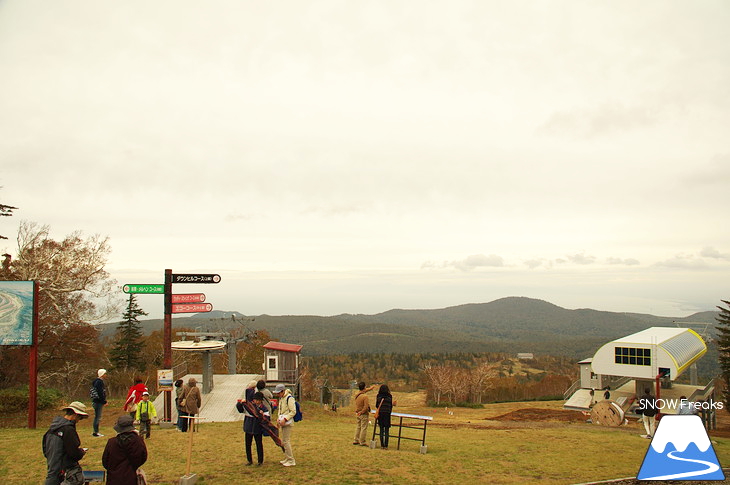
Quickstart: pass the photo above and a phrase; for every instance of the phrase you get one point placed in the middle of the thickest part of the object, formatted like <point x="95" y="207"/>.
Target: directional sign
<point x="149" y="289"/>
<point x="196" y="278"/>
<point x="192" y="308"/>
<point x="189" y="298"/>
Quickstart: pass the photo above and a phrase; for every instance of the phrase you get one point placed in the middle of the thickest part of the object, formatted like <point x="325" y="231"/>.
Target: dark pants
<point x="145" y="429"/>
<point x="259" y="447"/>
<point x="384" y="435"/>
<point x="183" y="421"/>
<point x="98" y="408"/>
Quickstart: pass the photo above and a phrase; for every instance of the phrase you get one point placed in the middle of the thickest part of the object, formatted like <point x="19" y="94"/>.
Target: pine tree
<point x="723" y="345"/>
<point x="127" y="351"/>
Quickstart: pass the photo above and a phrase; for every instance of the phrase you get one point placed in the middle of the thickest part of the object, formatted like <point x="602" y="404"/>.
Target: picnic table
<point x="408" y="425"/>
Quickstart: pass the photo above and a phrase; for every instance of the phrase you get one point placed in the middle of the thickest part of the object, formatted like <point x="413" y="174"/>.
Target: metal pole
<point x="167" y="338"/>
<point x="33" y="364"/>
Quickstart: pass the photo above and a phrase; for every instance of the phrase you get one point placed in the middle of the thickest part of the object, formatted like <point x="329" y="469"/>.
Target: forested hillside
<point x="507" y="325"/>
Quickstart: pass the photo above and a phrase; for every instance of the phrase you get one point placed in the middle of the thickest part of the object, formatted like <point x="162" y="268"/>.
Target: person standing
<point x="285" y="421"/>
<point x="179" y="390"/>
<point x="98" y="400"/>
<point x="261" y="387"/>
<point x="134" y="396"/>
<point x="145" y="413"/>
<point x="192" y="400"/>
<point x="362" y="412"/>
<point x="384" y="404"/>
<point x="62" y="446"/>
<point x="250" y="423"/>
<point x="648" y="410"/>
<point x="123" y="454"/>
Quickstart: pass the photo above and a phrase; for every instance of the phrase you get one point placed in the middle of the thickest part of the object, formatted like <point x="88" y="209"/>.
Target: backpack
<point x="298" y="415"/>
<point x="94" y="394"/>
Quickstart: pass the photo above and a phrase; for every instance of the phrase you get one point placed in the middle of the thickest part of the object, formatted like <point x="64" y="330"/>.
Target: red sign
<point x="192" y="308"/>
<point x="189" y="298"/>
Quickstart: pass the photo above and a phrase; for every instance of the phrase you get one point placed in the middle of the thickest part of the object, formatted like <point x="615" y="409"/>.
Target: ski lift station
<point x="651" y="359"/>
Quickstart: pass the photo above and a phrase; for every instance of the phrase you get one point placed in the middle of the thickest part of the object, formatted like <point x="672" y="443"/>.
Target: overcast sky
<point x="330" y="157"/>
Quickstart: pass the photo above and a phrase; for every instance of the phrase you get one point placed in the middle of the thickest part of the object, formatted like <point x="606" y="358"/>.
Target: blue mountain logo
<point x="680" y="450"/>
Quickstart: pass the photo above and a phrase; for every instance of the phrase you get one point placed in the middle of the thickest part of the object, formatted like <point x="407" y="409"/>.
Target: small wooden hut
<point x="281" y="364"/>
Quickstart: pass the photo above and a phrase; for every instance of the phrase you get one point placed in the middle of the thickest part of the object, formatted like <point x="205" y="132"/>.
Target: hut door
<point x="272" y="368"/>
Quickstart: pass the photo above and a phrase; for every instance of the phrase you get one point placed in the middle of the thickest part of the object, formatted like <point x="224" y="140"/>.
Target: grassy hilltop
<point x="513" y="443"/>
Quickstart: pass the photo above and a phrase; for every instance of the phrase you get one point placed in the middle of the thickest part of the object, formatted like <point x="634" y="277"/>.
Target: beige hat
<point x="100" y="372"/>
<point x="77" y="407"/>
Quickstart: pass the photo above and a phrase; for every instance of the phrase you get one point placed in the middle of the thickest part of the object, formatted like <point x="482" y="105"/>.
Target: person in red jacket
<point x="134" y="396"/>
<point x="123" y="454"/>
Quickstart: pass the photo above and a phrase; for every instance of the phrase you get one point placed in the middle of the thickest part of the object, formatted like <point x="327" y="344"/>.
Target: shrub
<point x="16" y="399"/>
<point x="471" y="405"/>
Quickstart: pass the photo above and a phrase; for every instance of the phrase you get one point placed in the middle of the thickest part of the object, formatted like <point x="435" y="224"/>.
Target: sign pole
<point x="33" y="365"/>
<point x="167" y="339"/>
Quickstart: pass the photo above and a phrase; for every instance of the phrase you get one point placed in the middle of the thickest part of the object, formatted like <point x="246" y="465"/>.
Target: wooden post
<point x="190" y="444"/>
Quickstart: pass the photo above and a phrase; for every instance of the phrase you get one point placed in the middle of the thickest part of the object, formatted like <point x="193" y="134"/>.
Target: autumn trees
<point x="723" y="344"/>
<point x="75" y="291"/>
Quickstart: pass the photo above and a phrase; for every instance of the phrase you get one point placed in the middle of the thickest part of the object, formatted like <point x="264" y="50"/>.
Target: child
<point x="145" y="412"/>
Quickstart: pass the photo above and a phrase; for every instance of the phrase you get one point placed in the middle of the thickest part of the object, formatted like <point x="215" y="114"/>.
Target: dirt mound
<point x="539" y="414"/>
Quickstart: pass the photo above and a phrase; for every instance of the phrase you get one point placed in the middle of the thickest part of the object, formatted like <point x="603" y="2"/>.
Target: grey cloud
<point x="469" y="263"/>
<point x="623" y="261"/>
<point x="581" y="258"/>
<point x="477" y="260"/>
<point x="683" y="261"/>
<point x="533" y="263"/>
<point x="601" y="120"/>
<point x="710" y="252"/>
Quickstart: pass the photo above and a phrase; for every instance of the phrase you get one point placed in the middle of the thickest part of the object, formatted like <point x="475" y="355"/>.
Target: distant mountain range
<point x="514" y="324"/>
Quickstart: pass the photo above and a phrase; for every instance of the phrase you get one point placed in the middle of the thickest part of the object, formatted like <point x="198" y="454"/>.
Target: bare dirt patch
<point x="541" y="414"/>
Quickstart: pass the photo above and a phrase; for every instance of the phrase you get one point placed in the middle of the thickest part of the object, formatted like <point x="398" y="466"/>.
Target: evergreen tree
<point x="127" y="351"/>
<point x="723" y="345"/>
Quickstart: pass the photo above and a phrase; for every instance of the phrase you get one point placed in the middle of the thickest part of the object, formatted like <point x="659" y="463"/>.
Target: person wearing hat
<point x="192" y="400"/>
<point x="124" y="453"/>
<point x="285" y="421"/>
<point x="98" y="399"/>
<point x="62" y="446"/>
<point x="145" y="413"/>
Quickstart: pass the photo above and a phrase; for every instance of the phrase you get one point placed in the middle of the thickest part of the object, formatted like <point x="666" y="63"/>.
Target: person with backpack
<point x="62" y="446"/>
<point x="145" y="413"/>
<point x="648" y="411"/>
<point x="98" y="399"/>
<point x="124" y="453"/>
<point x="285" y="421"/>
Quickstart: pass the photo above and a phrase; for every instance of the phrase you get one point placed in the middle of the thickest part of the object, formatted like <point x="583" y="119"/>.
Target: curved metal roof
<point x="684" y="348"/>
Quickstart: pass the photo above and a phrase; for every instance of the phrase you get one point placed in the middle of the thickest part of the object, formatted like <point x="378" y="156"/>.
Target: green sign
<point x="148" y="289"/>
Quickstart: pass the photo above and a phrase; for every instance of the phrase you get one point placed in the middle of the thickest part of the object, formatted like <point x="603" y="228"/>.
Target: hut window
<point x="632" y="356"/>
<point x="272" y="363"/>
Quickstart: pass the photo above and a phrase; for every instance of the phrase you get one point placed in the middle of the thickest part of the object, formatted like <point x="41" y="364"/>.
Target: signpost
<point x="192" y="307"/>
<point x="182" y="303"/>
<point x="144" y="289"/>
<point x="196" y="278"/>
<point x="188" y="298"/>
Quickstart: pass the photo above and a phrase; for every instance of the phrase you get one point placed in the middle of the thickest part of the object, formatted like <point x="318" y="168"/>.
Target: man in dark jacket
<point x="98" y="400"/>
<point x="124" y="453"/>
<point x="62" y="446"/>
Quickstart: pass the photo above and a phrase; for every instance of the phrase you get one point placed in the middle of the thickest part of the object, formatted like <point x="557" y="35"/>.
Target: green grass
<point x="550" y="454"/>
